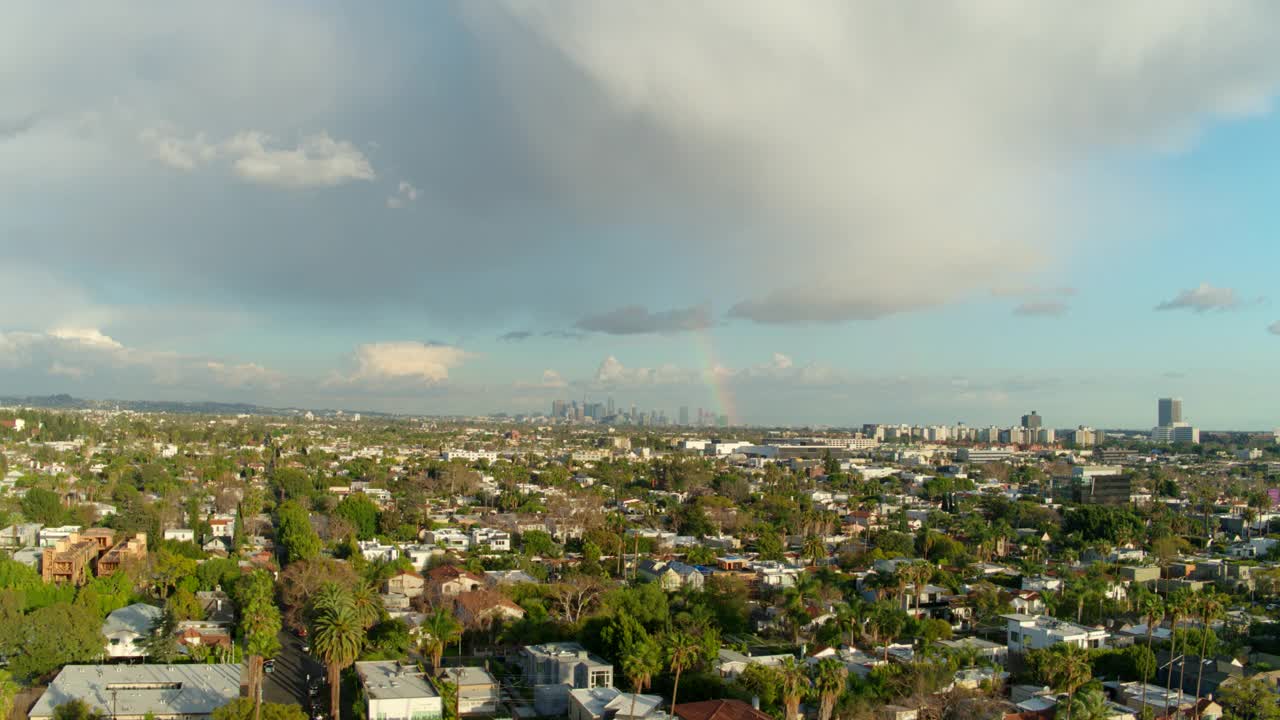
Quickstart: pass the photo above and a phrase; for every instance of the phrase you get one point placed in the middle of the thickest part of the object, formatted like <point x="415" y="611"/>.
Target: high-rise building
<point x="684" y="414"/>
<point x="1032" y="421"/>
<point x="610" y="408"/>
<point x="1169" y="411"/>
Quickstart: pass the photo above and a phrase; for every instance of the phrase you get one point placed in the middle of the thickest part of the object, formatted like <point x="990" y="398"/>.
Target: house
<point x="981" y="649"/>
<point x="398" y="691"/>
<point x="1032" y="632"/>
<point x="491" y="539"/>
<point x="204" y="633"/>
<point x="134" y="692"/>
<point x="126" y="628"/>
<point x="507" y="577"/>
<point x="408" y="584"/>
<point x="477" y="690"/>
<point x="718" y="710"/>
<point x="448" y="581"/>
<point x="222" y="525"/>
<point x="374" y="551"/>
<point x="126" y="552"/>
<point x="20" y="536"/>
<point x="448" y="539"/>
<point x="484" y="607"/>
<point x="180" y="534"/>
<point x="70" y="559"/>
<point x="553" y="669"/>
<point x="730" y="663"/>
<point x="606" y="703"/>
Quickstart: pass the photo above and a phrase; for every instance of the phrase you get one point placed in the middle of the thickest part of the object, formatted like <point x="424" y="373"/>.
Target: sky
<point x="789" y="213"/>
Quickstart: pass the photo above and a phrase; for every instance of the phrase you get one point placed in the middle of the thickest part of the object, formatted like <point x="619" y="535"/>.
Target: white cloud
<point x="639" y="320"/>
<point x="87" y="336"/>
<point x="1203" y="299"/>
<point x="550" y="380"/>
<point x="1274" y="328"/>
<point x="612" y="373"/>
<point x="408" y="360"/>
<point x="67" y="371"/>
<point x="244" y="375"/>
<point x="316" y="161"/>
<point x="405" y="194"/>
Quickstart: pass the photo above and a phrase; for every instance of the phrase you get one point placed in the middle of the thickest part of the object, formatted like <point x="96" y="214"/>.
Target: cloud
<point x="515" y="336"/>
<point x="752" y="126"/>
<point x="550" y="380"/>
<point x="411" y="361"/>
<point x="612" y="373"/>
<point x="1203" y="299"/>
<point x="316" y="161"/>
<point x="1274" y="328"/>
<point x="77" y="353"/>
<point x="637" y="320"/>
<point x="405" y="194"/>
<point x="1041" y="308"/>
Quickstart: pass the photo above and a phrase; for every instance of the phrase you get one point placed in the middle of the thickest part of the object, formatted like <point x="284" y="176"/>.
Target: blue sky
<point x="817" y="213"/>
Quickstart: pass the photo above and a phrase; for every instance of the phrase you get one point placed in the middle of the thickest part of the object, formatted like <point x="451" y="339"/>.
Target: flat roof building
<point x="396" y="691"/>
<point x="132" y="692"/>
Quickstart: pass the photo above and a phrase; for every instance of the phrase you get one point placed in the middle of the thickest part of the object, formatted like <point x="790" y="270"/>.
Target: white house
<point x="398" y="692"/>
<point x="126" y="628"/>
<point x="180" y="534"/>
<point x="1032" y="632"/>
<point x="447" y="538"/>
<point x="494" y="540"/>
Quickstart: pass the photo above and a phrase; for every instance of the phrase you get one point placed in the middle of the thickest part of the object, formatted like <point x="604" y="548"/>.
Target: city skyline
<point x="439" y="209"/>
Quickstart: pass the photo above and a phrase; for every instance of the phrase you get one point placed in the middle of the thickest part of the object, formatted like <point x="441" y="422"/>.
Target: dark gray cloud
<point x="515" y="336"/>
<point x="1041" y="308"/>
<point x="638" y="320"/>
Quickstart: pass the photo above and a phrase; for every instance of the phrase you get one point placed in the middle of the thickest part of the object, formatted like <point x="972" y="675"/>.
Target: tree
<point x="538" y="543"/>
<point x="1065" y="667"/>
<point x="259" y="626"/>
<point x="337" y="638"/>
<point x="8" y="693"/>
<point x="168" y="569"/>
<point x="53" y="636"/>
<point x="296" y="533"/>
<point x="1209" y="606"/>
<point x="1152" y="609"/>
<point x="1248" y="699"/>
<point x="1089" y="704"/>
<point x="640" y="664"/>
<point x="1178" y="607"/>
<point x="683" y="652"/>
<point x="244" y="709"/>
<point x="829" y="680"/>
<point x="439" y="629"/>
<point x="793" y="683"/>
<point x="185" y="605"/>
<point x="161" y="643"/>
<point x="76" y="709"/>
<point x="814" y="549"/>
<point x="43" y="506"/>
<point x="361" y="512"/>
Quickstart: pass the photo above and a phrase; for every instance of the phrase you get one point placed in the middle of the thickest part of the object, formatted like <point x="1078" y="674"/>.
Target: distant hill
<point x="68" y="402"/>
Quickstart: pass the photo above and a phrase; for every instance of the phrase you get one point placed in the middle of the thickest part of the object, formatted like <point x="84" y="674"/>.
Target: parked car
<point x="269" y="665"/>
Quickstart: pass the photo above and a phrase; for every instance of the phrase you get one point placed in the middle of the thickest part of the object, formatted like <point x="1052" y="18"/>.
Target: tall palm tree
<point x="921" y="572"/>
<point x="829" y="680"/>
<point x="337" y="638"/>
<point x="1210" y="607"/>
<point x="683" y="652"/>
<point x="793" y="682"/>
<point x="1152" y="609"/>
<point x="438" y="630"/>
<point x="640" y="665"/>
<point x="1179" y="608"/>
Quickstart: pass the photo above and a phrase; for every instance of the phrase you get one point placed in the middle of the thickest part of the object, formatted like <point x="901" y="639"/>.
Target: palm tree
<point x="1069" y="669"/>
<point x="814" y="549"/>
<point x="438" y="630"/>
<point x="794" y="682"/>
<point x="640" y="665"/>
<point x="829" y="680"/>
<point x="1090" y="704"/>
<point x="683" y="652"/>
<point x="1210" y="607"/>
<point x="1179" y="608"/>
<point x="1152" y="609"/>
<point x="367" y="605"/>
<point x="921" y="572"/>
<point x="337" y="637"/>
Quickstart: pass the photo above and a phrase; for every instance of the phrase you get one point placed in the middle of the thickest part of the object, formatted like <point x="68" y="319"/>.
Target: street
<point x="287" y="683"/>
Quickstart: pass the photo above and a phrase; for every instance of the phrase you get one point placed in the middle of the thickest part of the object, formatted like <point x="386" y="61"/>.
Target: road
<point x="287" y="683"/>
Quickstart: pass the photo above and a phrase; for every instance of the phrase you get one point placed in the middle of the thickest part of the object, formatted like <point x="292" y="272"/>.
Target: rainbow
<point x="722" y="400"/>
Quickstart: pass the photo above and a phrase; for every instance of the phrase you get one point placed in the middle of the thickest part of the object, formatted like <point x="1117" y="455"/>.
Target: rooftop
<point x="135" y="690"/>
<point x="388" y="679"/>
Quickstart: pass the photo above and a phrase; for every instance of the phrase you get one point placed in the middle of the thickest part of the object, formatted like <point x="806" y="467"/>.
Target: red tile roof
<point x="719" y="710"/>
